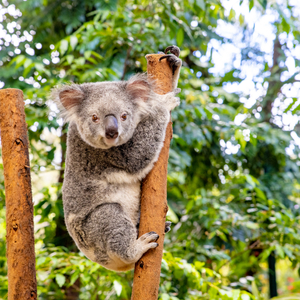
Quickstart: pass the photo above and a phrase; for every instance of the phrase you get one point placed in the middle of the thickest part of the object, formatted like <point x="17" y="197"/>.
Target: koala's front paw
<point x="170" y="100"/>
<point x="172" y="59"/>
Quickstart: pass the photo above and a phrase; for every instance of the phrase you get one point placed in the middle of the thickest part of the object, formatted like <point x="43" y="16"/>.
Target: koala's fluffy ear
<point x="68" y="98"/>
<point x="139" y="87"/>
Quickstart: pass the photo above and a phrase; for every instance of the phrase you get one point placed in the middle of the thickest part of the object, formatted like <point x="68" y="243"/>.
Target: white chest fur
<point x="128" y="196"/>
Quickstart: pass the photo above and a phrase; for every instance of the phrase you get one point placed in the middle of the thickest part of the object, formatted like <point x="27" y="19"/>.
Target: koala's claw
<point x="147" y="241"/>
<point x="173" y="61"/>
<point x="172" y="58"/>
<point x="173" y="49"/>
<point x="149" y="237"/>
<point x="167" y="226"/>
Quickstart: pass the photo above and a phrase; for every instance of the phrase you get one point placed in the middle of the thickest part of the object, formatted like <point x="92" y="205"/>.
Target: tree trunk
<point x="272" y="92"/>
<point x="154" y="198"/>
<point x="19" y="208"/>
<point x="274" y="84"/>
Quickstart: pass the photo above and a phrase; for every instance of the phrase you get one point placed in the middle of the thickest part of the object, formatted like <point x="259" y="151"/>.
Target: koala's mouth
<point x="111" y="142"/>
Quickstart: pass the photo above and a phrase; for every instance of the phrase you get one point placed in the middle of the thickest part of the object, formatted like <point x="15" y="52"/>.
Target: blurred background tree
<point x="233" y="183"/>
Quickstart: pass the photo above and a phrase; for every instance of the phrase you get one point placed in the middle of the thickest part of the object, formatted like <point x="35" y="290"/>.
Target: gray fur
<point x="101" y="190"/>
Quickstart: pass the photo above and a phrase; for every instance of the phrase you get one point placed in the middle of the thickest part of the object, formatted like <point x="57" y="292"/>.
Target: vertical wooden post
<point x="154" y="197"/>
<point x="19" y="208"/>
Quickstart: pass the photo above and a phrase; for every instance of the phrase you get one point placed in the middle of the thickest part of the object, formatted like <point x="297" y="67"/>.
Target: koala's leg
<point x="108" y="226"/>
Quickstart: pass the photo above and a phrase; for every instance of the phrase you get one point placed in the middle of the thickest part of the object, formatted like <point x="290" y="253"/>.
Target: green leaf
<point x="19" y="61"/>
<point x="251" y="4"/>
<point x="69" y="58"/>
<point x="212" y="234"/>
<point x="74" y="277"/>
<point x="80" y="61"/>
<point x="241" y="19"/>
<point x="40" y="261"/>
<point x="87" y="54"/>
<point x="27" y="63"/>
<point x="190" y="205"/>
<point x="171" y="215"/>
<point x="209" y="114"/>
<point x="288" y="252"/>
<point x="28" y="69"/>
<point x="184" y="53"/>
<point x="252" y="225"/>
<point x="60" y="279"/>
<point x="280" y="251"/>
<point x="201" y="4"/>
<point x="232" y="14"/>
<point x="180" y="37"/>
<point x="63" y="47"/>
<point x="235" y="294"/>
<point x="118" y="287"/>
<point x="229" y="198"/>
<point x="255" y="291"/>
<point x="73" y="41"/>
<point x="251" y="180"/>
<point x="260" y="193"/>
<point x="164" y="296"/>
<point x="97" y="55"/>
<point x="263" y="3"/>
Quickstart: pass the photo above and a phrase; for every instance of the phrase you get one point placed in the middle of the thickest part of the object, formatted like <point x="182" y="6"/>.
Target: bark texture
<point x="154" y="197"/>
<point x="19" y="207"/>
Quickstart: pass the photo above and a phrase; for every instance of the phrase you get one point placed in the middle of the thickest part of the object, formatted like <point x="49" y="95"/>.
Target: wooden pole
<point x="19" y="208"/>
<point x="154" y="197"/>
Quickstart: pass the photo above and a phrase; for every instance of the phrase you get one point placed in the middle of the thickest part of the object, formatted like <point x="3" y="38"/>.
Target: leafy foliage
<point x="233" y="187"/>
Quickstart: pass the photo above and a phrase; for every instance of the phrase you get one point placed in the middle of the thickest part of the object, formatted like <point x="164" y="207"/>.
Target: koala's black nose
<point x="111" y="127"/>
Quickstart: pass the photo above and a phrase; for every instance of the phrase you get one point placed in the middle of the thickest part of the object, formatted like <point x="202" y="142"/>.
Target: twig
<point x="126" y="62"/>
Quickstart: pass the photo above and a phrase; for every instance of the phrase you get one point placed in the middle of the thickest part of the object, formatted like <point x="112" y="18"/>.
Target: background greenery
<point x="233" y="186"/>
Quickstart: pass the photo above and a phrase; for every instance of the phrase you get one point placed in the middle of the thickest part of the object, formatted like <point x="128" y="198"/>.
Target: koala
<point x="116" y="132"/>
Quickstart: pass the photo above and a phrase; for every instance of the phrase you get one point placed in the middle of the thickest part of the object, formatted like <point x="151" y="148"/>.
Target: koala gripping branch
<point x="154" y="197"/>
<point x="19" y="208"/>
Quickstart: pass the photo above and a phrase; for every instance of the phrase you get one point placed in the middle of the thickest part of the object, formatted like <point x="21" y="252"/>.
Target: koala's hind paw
<point x="167" y="226"/>
<point x="147" y="241"/>
<point x="149" y="237"/>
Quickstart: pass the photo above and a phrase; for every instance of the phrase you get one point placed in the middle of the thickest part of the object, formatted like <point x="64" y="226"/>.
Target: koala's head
<point x="106" y="113"/>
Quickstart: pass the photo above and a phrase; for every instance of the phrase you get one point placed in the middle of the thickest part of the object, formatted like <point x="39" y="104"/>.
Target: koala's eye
<point x="124" y="117"/>
<point x="95" y="118"/>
